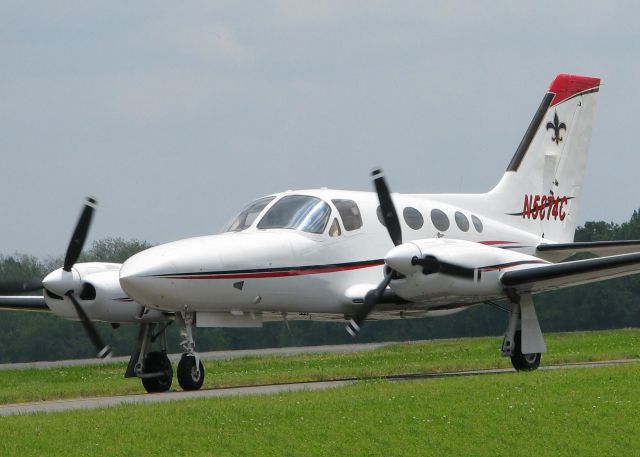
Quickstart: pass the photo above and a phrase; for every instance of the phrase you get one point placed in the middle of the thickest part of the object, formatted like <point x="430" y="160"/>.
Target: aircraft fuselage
<point x="294" y="271"/>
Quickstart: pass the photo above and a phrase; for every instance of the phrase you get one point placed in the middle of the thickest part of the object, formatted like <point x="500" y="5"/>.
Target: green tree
<point x="115" y="250"/>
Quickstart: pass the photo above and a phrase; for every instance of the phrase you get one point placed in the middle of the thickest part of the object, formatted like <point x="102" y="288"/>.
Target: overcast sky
<point x="176" y="114"/>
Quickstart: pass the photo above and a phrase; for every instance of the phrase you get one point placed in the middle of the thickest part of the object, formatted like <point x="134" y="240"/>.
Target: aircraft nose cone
<point x="131" y="275"/>
<point x="399" y="258"/>
<point x="138" y="273"/>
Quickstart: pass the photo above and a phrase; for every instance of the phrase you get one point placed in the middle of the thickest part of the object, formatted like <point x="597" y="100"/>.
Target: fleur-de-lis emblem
<point x="556" y="125"/>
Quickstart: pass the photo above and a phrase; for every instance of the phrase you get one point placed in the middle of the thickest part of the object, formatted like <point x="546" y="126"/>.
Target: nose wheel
<point x="190" y="372"/>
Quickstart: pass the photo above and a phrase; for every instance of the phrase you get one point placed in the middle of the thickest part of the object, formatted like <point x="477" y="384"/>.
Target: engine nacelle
<point x="101" y="296"/>
<point x="457" y="271"/>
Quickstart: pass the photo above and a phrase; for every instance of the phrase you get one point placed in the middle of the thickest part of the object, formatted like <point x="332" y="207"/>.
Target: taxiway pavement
<point x="102" y="402"/>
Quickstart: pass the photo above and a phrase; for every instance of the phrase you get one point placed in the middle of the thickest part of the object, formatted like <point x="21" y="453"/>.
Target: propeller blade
<point x="104" y="350"/>
<point x="18" y="286"/>
<point x="430" y="265"/>
<point x="457" y="270"/>
<point x="80" y="234"/>
<point x="372" y="298"/>
<point x="389" y="214"/>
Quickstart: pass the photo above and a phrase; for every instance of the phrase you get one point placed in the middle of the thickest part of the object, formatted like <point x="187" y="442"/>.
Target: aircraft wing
<point x="559" y="275"/>
<point x="561" y="251"/>
<point x="23" y="303"/>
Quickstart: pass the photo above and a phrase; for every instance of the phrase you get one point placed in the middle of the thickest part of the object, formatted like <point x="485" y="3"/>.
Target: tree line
<point x="30" y="336"/>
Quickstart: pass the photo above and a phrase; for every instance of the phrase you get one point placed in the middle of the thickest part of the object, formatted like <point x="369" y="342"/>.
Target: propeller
<point x="104" y="350"/>
<point x="429" y="264"/>
<point x="391" y="221"/>
<point x="371" y="299"/>
<point x="388" y="209"/>
<point x="79" y="234"/>
<point x="66" y="281"/>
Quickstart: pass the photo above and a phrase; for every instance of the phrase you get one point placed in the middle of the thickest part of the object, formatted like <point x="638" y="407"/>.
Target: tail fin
<point x="541" y="189"/>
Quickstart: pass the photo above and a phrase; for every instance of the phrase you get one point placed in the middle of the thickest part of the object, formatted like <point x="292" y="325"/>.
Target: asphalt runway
<point x="102" y="402"/>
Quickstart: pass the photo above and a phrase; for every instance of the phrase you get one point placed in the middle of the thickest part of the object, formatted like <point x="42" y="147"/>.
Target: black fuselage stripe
<point x="320" y="268"/>
<point x="363" y="263"/>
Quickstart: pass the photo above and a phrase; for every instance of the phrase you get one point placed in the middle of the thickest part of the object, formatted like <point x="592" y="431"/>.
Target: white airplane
<point x="335" y="254"/>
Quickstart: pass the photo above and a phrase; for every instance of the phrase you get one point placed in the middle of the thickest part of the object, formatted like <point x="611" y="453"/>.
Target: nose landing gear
<point x="190" y="369"/>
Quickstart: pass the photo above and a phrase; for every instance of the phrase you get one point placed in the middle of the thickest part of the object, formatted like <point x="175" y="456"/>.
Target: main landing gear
<point x="523" y="341"/>
<point x="154" y="368"/>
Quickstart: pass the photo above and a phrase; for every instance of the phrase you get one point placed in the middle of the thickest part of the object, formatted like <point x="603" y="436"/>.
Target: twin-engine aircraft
<point x="355" y="256"/>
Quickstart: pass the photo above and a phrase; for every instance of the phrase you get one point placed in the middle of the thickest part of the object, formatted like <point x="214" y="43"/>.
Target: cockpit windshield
<point x="300" y="212"/>
<point x="249" y="214"/>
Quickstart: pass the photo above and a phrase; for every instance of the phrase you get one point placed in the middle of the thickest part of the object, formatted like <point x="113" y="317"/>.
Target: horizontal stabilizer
<point x="566" y="274"/>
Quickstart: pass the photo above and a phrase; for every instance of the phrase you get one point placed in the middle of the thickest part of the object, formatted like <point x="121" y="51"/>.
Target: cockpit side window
<point x="299" y="212"/>
<point x="249" y="214"/>
<point x="350" y="214"/>
<point x="334" y="230"/>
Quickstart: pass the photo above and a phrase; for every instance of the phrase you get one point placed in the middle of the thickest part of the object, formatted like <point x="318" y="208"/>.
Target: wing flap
<point x="566" y="274"/>
<point x="561" y="251"/>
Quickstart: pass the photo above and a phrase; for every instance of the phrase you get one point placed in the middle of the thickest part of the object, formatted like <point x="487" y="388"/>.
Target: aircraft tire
<point x="188" y="377"/>
<point x="154" y="362"/>
<point x="520" y="361"/>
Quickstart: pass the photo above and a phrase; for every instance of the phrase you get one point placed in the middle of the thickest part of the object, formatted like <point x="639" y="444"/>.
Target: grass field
<point x="587" y="412"/>
<point x="433" y="356"/>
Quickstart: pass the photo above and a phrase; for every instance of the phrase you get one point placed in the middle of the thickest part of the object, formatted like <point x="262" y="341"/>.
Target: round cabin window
<point x="440" y="220"/>
<point x="477" y="223"/>
<point x="413" y="218"/>
<point x="461" y="221"/>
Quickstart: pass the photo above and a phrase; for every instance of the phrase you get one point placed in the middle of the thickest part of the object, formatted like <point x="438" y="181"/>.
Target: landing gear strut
<point x="152" y="367"/>
<point x="190" y="369"/>
<point x="523" y="321"/>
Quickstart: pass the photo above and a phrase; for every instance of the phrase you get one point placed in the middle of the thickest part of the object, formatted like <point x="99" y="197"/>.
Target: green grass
<point x="588" y="412"/>
<point x="434" y="356"/>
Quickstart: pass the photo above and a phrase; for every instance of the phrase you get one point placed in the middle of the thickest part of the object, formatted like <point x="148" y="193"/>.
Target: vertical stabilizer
<point x="541" y="190"/>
